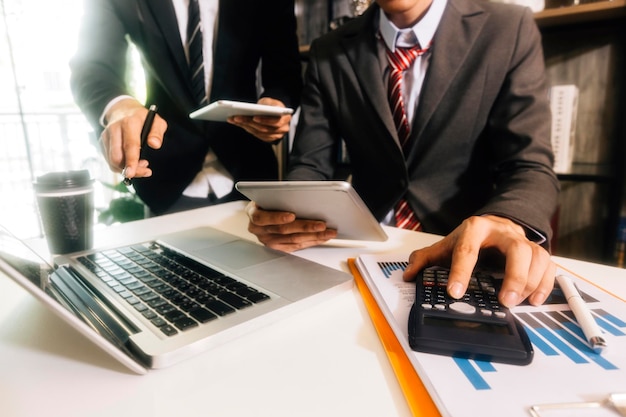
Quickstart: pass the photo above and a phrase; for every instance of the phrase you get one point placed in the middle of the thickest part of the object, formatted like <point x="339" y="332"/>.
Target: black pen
<point x="145" y="130"/>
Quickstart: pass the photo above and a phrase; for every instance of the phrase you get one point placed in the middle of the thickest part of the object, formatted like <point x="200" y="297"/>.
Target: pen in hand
<point x="581" y="311"/>
<point x="145" y="130"/>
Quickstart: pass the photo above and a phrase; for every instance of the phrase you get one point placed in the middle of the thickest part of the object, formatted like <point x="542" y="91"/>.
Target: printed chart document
<point x="564" y="368"/>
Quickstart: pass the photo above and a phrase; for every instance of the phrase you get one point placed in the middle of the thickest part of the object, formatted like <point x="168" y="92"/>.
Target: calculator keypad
<point x="480" y="297"/>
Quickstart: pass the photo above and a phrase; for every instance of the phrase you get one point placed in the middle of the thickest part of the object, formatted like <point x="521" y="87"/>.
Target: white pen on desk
<point x="581" y="311"/>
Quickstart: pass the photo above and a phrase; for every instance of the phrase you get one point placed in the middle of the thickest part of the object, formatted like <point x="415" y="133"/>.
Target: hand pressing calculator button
<point x="463" y="308"/>
<point x="475" y="326"/>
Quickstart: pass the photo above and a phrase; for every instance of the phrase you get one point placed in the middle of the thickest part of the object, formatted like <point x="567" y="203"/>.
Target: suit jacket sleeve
<point x="99" y="66"/>
<point x="525" y="185"/>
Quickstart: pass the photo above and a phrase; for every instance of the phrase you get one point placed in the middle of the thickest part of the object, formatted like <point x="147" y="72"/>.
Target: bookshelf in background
<point x="564" y="108"/>
<point x="585" y="46"/>
<point x="620" y="244"/>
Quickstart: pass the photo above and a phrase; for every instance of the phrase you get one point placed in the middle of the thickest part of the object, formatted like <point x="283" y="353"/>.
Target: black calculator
<point x="475" y="326"/>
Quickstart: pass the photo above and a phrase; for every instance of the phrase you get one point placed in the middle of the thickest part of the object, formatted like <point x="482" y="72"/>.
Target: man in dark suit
<point x="248" y="32"/>
<point x="477" y="166"/>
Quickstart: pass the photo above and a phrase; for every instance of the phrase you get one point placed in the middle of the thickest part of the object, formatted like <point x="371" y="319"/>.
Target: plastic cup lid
<point x="63" y="180"/>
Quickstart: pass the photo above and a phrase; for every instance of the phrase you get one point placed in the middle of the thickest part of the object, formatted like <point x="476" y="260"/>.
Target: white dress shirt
<point x="421" y="33"/>
<point x="213" y="177"/>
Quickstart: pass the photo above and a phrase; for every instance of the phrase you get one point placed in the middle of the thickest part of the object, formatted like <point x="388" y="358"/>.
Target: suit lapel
<point x="223" y="47"/>
<point x="362" y="52"/>
<point x="460" y="25"/>
<point x="165" y="16"/>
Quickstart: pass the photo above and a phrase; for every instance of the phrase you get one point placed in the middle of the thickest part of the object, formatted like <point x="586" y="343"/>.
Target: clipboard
<point x="415" y="393"/>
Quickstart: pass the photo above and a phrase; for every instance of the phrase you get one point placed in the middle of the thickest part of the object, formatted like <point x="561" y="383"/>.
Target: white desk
<point x="325" y="361"/>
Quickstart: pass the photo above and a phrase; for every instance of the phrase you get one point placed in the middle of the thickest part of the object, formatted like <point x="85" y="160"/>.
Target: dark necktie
<point x="196" y="62"/>
<point x="399" y="61"/>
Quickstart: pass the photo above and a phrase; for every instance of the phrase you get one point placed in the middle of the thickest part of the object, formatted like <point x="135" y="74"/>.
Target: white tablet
<point x="221" y="110"/>
<point x="334" y="202"/>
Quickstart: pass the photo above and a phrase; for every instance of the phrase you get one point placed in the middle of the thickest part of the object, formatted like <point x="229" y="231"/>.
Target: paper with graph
<point x="564" y="368"/>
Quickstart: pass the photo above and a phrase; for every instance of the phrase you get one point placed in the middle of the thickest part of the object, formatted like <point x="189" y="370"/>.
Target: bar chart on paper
<point x="564" y="368"/>
<point x="554" y="333"/>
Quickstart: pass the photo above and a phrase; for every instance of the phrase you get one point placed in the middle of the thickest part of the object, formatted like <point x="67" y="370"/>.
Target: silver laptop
<point x="155" y="303"/>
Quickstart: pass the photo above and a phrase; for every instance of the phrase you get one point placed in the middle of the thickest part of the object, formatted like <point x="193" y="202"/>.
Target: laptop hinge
<point x="91" y="308"/>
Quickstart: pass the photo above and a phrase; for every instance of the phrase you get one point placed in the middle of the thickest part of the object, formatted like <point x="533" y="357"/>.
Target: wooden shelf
<point x="588" y="12"/>
<point x="588" y="173"/>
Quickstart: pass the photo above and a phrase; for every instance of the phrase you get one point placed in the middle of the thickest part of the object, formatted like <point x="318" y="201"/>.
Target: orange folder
<point x="417" y="397"/>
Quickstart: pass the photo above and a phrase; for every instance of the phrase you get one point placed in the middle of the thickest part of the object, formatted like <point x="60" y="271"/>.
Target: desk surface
<point x="326" y="360"/>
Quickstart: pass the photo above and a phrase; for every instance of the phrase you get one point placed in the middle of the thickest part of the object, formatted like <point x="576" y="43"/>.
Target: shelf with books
<point x="585" y="46"/>
<point x="589" y="172"/>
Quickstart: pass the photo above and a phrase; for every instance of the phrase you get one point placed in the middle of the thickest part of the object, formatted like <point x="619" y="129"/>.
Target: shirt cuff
<point x="109" y="105"/>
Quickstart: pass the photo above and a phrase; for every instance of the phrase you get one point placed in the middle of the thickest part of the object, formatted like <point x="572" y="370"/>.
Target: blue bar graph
<point x="471" y="373"/>
<point x="389" y="267"/>
<point x="609" y="322"/>
<point x="539" y="343"/>
<point x="552" y="333"/>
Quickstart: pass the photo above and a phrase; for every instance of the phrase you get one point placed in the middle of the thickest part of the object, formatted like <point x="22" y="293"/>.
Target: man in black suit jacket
<point x="249" y="31"/>
<point x="479" y="167"/>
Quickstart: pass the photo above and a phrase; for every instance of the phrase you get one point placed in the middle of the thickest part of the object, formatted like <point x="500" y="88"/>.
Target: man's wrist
<point x="516" y="226"/>
<point x="105" y="116"/>
<point x="525" y="230"/>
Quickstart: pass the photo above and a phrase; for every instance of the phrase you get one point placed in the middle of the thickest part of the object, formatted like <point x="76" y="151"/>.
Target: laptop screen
<point x="22" y="264"/>
<point x="23" y="259"/>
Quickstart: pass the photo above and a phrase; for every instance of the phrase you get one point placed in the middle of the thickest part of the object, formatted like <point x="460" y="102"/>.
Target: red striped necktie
<point x="399" y="61"/>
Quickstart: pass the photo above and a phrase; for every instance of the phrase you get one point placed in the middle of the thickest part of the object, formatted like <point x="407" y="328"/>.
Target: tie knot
<point x="402" y="58"/>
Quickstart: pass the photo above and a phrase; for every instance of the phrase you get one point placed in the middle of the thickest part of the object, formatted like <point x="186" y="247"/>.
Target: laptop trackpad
<point x="236" y="255"/>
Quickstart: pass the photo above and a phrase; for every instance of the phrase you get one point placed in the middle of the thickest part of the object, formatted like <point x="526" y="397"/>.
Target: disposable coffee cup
<point x="65" y="202"/>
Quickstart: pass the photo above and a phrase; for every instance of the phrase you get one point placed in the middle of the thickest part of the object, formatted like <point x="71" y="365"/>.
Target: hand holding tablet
<point x="221" y="110"/>
<point x="334" y="202"/>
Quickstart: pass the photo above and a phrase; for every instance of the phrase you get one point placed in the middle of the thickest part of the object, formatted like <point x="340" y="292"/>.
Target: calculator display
<point x="474" y="326"/>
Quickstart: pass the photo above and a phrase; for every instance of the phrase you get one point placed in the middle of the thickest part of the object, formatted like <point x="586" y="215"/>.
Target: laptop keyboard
<point x="171" y="290"/>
